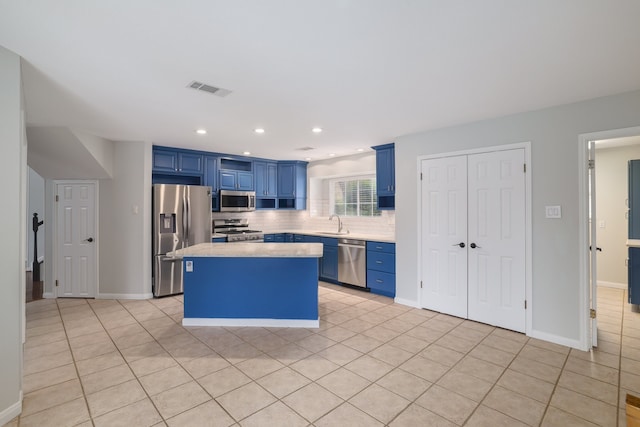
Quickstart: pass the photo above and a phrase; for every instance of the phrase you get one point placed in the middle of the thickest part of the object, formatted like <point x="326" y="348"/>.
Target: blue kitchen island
<point x="251" y="284"/>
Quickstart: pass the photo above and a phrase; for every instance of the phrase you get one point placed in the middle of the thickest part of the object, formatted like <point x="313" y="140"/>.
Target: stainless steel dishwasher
<point x="352" y="262"/>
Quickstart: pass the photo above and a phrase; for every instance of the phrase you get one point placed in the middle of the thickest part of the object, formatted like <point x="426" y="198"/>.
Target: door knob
<point x="461" y="244"/>
<point x="473" y="246"/>
<point x="90" y="239"/>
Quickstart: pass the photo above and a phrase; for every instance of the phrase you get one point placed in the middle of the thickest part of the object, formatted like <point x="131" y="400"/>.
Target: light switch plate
<point x="188" y="266"/>
<point x="553" y="211"/>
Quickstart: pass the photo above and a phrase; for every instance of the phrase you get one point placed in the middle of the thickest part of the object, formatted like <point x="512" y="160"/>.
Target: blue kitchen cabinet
<point x="385" y="176"/>
<point x="292" y="185"/>
<point x="174" y="160"/>
<point x="235" y="174"/>
<point x="219" y="240"/>
<point x="329" y="262"/>
<point x="381" y="268"/>
<point x="165" y="160"/>
<point x="634" y="199"/>
<point x="190" y="163"/>
<point x="266" y="179"/>
<point x="269" y="238"/>
<point x="236" y="180"/>
<point x="634" y="275"/>
<point x="211" y="179"/>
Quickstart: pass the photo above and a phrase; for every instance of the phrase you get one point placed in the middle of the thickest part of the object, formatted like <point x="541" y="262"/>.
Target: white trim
<point x="11" y="412"/>
<point x="265" y="323"/>
<point x="556" y="339"/>
<point x="407" y="302"/>
<point x="48" y="295"/>
<point x="125" y="296"/>
<point x="583" y="224"/>
<point x="526" y="146"/>
<point x="612" y="285"/>
<point x="96" y="207"/>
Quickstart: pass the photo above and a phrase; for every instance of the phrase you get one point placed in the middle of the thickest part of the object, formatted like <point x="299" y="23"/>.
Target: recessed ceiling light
<point x="201" y="131"/>
<point x="332" y="154"/>
<point x="246" y="153"/>
<point x="307" y="158"/>
<point x="258" y="130"/>
<point x="360" y="149"/>
<point x="316" y="130"/>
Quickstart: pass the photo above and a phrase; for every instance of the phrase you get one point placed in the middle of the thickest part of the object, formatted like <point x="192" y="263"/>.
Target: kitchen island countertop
<point x="251" y="250"/>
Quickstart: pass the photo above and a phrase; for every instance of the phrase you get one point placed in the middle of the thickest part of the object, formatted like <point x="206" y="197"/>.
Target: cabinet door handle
<point x="378" y="281"/>
<point x="378" y="262"/>
<point x="378" y="247"/>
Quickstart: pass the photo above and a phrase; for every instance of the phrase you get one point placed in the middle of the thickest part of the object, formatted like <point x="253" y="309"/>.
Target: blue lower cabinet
<point x="381" y="268"/>
<point x="219" y="240"/>
<point x="634" y="275"/>
<point x="279" y="238"/>
<point x="269" y="238"/>
<point x="329" y="261"/>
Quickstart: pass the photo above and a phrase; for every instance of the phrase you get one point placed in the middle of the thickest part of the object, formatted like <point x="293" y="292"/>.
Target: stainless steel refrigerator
<point x="181" y="218"/>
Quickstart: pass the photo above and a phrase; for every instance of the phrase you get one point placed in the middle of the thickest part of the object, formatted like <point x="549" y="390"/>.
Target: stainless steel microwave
<point x="237" y="201"/>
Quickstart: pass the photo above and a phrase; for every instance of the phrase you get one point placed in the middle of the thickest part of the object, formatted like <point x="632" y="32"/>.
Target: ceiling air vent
<point x="210" y="89"/>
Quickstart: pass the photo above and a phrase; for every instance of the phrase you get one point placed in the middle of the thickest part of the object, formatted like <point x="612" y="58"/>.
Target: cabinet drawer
<point x="381" y="247"/>
<point x="269" y="237"/>
<point x="381" y="283"/>
<point x="381" y="261"/>
<point x="298" y="238"/>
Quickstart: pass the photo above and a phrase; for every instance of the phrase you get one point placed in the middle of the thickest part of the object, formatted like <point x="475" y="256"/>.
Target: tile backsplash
<point x="283" y="220"/>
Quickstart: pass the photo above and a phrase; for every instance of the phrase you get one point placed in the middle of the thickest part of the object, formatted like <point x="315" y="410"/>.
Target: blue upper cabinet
<point x="174" y="160"/>
<point x="211" y="172"/>
<point x="385" y="176"/>
<point x="292" y="185"/>
<point x="165" y="160"/>
<point x="190" y="162"/>
<point x="634" y="199"/>
<point x="266" y="179"/>
<point x="235" y="174"/>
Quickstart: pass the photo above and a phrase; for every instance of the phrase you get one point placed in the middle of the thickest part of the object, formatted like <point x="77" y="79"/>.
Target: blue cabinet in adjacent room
<point x="634" y="275"/>
<point x="165" y="160"/>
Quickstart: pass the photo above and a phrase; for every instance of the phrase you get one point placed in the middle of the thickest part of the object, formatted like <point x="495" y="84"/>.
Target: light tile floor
<point x="371" y="363"/>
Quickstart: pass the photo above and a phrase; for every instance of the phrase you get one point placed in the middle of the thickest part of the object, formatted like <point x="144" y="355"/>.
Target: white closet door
<point x="497" y="230"/>
<point x="444" y="234"/>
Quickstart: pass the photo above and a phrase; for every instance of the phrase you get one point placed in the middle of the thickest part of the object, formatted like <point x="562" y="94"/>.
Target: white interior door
<point x="496" y="227"/>
<point x="593" y="245"/>
<point x="76" y="245"/>
<point x="444" y="235"/>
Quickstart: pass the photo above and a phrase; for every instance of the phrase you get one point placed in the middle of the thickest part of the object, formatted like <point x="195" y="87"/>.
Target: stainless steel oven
<point x="237" y="201"/>
<point x="237" y="230"/>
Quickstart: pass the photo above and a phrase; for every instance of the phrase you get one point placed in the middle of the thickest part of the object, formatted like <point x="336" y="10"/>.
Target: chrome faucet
<point x="339" y="222"/>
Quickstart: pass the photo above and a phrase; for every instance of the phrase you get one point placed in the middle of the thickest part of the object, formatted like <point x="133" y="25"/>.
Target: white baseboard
<point x="265" y="323"/>
<point x="48" y="295"/>
<point x="612" y="285"/>
<point x="11" y="412"/>
<point x="556" y="339"/>
<point x="125" y="296"/>
<point x="407" y="302"/>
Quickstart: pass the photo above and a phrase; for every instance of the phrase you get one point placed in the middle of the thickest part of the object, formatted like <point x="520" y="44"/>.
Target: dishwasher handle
<point x="352" y="243"/>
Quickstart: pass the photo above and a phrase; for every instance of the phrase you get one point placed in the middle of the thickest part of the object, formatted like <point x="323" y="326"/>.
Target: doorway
<point x="76" y="250"/>
<point x="473" y="236"/>
<point x="597" y="248"/>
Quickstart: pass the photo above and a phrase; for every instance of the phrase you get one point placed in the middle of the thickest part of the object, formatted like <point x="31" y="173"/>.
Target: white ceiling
<point x="365" y="71"/>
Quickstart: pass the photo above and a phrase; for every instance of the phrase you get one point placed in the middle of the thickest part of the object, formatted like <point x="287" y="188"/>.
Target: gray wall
<point x="125" y="235"/>
<point x="554" y="135"/>
<point x="12" y="218"/>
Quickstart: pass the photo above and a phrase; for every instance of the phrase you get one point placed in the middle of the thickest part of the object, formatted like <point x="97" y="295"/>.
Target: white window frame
<point x="332" y="197"/>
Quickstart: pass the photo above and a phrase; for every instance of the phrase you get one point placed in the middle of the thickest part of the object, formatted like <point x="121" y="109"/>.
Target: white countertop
<point x="253" y="250"/>
<point x="370" y="237"/>
<point x="633" y="243"/>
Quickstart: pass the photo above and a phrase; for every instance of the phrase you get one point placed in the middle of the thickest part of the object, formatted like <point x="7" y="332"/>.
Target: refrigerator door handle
<point x="188" y="203"/>
<point x="185" y="225"/>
